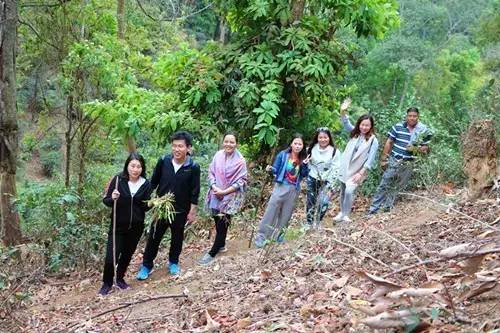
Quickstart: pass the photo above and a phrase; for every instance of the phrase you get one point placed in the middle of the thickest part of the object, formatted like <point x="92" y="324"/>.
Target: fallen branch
<point x="28" y="278"/>
<point x="452" y="209"/>
<point x="126" y="305"/>
<point x="460" y="256"/>
<point x="356" y="248"/>
<point x="397" y="241"/>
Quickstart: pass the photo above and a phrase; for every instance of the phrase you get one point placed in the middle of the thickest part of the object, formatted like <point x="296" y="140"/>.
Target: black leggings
<point x="126" y="243"/>
<point x="222" y="222"/>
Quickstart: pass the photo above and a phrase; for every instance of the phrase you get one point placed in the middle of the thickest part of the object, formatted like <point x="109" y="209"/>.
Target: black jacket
<point x="130" y="211"/>
<point x="185" y="184"/>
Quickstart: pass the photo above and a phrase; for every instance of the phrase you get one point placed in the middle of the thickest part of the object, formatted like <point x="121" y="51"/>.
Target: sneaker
<point x="174" y="269"/>
<point x="223" y="249"/>
<point x="143" y="273"/>
<point x="346" y="219"/>
<point x="120" y="283"/>
<point x="339" y="217"/>
<point x="369" y="215"/>
<point x="206" y="260"/>
<point x="105" y="289"/>
<point x="260" y="242"/>
<point x="281" y="238"/>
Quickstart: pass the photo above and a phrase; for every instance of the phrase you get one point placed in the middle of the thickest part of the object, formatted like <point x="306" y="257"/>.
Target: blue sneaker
<point x="143" y="273"/>
<point x="260" y="242"/>
<point x="281" y="238"/>
<point x="174" y="269"/>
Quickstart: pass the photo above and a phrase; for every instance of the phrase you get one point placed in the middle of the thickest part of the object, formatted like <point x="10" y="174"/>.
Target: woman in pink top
<point x="227" y="176"/>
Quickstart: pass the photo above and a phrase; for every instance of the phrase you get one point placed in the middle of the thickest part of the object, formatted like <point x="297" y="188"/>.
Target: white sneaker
<point x="346" y="219"/>
<point x="339" y="217"/>
<point x="223" y="249"/>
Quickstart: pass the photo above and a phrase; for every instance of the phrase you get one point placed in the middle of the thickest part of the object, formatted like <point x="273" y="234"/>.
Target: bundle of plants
<point x="162" y="208"/>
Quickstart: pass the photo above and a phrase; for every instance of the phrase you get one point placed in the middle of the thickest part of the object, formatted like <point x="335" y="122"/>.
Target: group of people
<point x="325" y="168"/>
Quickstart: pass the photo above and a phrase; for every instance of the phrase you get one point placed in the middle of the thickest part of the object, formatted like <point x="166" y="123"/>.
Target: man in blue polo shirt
<point x="405" y="140"/>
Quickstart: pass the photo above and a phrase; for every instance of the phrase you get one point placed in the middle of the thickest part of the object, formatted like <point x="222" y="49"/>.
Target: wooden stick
<point x="452" y="209"/>
<point x="115" y="202"/>
<point x="460" y="256"/>
<point x="357" y="249"/>
<point x="126" y="305"/>
<point x="397" y="241"/>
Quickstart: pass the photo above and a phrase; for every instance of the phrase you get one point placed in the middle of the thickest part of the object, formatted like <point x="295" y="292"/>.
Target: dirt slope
<point x="311" y="283"/>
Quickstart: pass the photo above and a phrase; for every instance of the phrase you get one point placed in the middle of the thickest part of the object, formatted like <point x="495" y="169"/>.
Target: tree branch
<point x="60" y="3"/>
<point x="38" y="34"/>
<point x="461" y="256"/>
<point x="126" y="305"/>
<point x="357" y="249"/>
<point x="452" y="209"/>
<point x="171" y="19"/>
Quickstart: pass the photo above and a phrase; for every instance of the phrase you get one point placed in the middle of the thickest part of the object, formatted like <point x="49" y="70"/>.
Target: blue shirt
<point x="402" y="137"/>
<point x="279" y="169"/>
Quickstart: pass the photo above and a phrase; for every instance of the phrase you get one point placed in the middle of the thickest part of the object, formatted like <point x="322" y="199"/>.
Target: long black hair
<point x="131" y="157"/>
<point x="314" y="141"/>
<point x="356" y="131"/>
<point x="303" y="152"/>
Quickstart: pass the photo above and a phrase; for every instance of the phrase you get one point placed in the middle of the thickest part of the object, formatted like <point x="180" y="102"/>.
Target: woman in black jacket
<point x="130" y="189"/>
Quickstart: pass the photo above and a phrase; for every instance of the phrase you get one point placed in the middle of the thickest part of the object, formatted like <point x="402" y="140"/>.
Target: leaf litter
<point x="437" y="272"/>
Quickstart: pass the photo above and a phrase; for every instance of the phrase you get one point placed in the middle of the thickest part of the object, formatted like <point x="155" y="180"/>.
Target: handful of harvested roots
<point x="163" y="207"/>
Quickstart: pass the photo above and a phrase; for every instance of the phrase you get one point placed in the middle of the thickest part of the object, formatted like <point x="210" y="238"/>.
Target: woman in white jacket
<point x="358" y="157"/>
<point x="323" y="173"/>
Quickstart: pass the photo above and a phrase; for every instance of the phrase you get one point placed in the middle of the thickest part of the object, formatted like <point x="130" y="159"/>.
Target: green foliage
<point x="283" y="57"/>
<point x="50" y="155"/>
<point x="72" y="229"/>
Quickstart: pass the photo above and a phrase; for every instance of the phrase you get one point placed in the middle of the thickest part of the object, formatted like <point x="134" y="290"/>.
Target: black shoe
<point x="105" y="289"/>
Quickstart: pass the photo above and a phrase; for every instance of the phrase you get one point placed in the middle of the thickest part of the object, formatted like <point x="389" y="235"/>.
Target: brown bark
<point x="479" y="152"/>
<point x="9" y="218"/>
<point x="131" y="145"/>
<point x="82" y="153"/>
<point x="222" y="30"/>
<point x="120" y="18"/>
<point x="297" y="10"/>
<point x="68" y="138"/>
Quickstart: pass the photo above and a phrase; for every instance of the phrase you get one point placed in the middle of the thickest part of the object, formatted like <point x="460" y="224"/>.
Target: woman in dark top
<point x="130" y="189"/>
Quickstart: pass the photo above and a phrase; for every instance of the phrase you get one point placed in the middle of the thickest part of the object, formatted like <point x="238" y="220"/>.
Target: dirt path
<point x="308" y="284"/>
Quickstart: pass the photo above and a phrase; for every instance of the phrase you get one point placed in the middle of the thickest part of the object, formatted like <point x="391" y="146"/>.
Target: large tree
<point x="285" y="54"/>
<point x="9" y="218"/>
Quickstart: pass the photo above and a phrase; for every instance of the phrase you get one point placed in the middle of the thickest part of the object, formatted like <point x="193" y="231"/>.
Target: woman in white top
<point x="323" y="171"/>
<point x="358" y="157"/>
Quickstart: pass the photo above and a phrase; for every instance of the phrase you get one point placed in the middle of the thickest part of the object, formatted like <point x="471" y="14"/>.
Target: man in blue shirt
<point x="405" y="140"/>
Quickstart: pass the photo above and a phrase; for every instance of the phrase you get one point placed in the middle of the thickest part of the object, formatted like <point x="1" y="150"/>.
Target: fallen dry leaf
<point x="413" y="292"/>
<point x="485" y="287"/>
<point x="471" y="265"/>
<point x="353" y="291"/>
<point x="340" y="282"/>
<point x="243" y="323"/>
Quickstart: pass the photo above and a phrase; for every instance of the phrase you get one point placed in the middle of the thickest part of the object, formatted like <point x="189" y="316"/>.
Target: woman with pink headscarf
<point x="227" y="177"/>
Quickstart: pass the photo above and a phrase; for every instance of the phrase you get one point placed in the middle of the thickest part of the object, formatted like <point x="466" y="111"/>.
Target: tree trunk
<point x="222" y="30"/>
<point x="131" y="146"/>
<point x="68" y="137"/>
<point x="82" y="152"/>
<point x="297" y="10"/>
<point x="9" y="218"/>
<point x="479" y="152"/>
<point x="120" y="18"/>
<point x="403" y="94"/>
